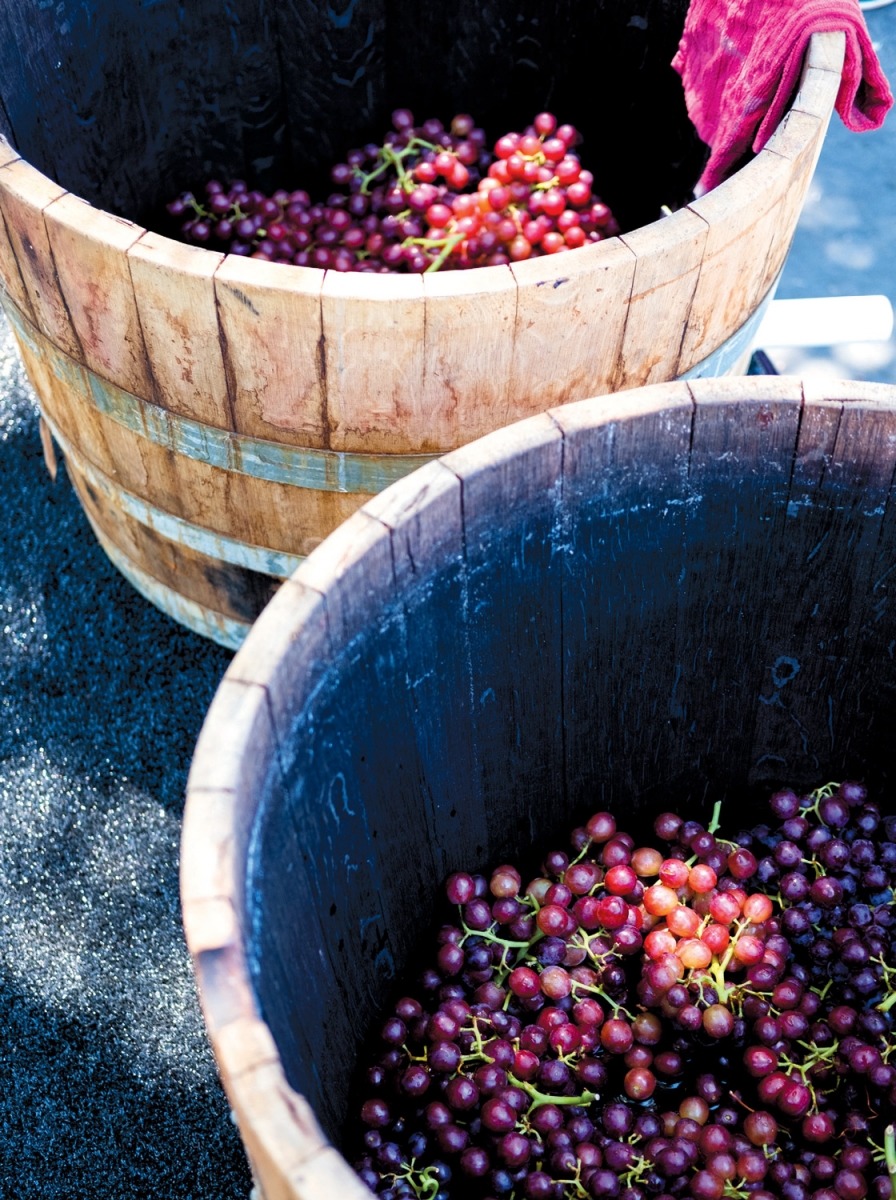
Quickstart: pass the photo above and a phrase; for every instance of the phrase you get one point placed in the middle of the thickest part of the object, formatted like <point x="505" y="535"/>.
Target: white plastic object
<point x="826" y="321"/>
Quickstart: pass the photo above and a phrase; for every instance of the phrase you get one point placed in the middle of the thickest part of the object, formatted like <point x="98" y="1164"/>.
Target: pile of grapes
<point x="709" y="1019"/>
<point x="427" y="198"/>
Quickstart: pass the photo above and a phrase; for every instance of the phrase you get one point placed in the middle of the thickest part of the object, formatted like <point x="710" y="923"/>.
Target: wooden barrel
<point x="220" y="416"/>
<point x="686" y="599"/>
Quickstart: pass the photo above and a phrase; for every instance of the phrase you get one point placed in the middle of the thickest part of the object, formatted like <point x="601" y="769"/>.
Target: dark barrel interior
<point x="694" y="618"/>
<point x="127" y="102"/>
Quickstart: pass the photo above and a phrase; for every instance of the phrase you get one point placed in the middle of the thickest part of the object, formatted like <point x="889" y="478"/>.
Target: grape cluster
<point x="644" y="1022"/>
<point x="828" y="1042"/>
<point x="426" y="199"/>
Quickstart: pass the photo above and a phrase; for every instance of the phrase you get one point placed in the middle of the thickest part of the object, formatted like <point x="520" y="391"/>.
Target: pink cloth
<point x="740" y="61"/>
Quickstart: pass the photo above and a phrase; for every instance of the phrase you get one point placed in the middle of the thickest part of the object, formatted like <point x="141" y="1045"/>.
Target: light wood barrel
<point x="219" y="416"/>
<point x="686" y="600"/>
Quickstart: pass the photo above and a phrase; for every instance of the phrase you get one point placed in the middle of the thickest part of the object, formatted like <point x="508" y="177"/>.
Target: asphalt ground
<point x="107" y="1084"/>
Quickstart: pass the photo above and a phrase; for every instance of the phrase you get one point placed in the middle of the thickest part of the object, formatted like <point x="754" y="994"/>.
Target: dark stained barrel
<point x="656" y="599"/>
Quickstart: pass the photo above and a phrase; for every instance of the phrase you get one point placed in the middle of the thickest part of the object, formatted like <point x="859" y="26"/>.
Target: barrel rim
<point x="310" y="620"/>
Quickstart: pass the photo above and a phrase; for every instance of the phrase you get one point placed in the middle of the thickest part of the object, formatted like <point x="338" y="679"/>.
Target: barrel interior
<point x="125" y="102"/>
<point x="694" y="618"/>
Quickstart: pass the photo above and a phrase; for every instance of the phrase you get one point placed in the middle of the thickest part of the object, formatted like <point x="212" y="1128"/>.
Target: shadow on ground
<point x="108" y="1087"/>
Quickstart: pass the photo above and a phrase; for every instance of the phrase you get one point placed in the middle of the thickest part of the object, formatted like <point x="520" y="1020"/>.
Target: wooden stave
<point x="405" y="531"/>
<point x="144" y="267"/>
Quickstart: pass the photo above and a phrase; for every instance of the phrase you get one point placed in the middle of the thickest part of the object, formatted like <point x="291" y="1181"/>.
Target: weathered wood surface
<point x="24" y="194"/>
<point x="225" y="588"/>
<point x="614" y="626"/>
<point x="570" y="321"/>
<point x="271" y="322"/>
<point x="668" y="257"/>
<point x="206" y="493"/>
<point x="10" y="275"/>
<point x="468" y="350"/>
<point x="175" y="291"/>
<point x="740" y="463"/>
<point x="712" y="558"/>
<point x="373" y="355"/>
<point x="518" y="715"/>
<point x="90" y="251"/>
<point x="386" y="369"/>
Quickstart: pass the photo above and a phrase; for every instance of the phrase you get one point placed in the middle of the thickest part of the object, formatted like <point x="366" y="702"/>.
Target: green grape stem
<point x="890" y="1152"/>
<point x="450" y="244"/>
<point x="886" y="1005"/>
<point x="426" y="1187"/>
<point x="541" y="1098"/>
<point x="822" y="793"/>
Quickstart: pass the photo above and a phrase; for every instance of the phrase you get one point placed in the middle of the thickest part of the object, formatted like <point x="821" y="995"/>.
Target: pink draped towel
<point x="740" y="61"/>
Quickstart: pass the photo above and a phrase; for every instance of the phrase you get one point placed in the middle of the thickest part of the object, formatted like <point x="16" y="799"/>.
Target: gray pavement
<point x="107" y="1086"/>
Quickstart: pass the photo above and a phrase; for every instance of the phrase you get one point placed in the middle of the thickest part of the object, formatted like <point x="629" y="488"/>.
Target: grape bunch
<point x="643" y="1021"/>
<point x="427" y="198"/>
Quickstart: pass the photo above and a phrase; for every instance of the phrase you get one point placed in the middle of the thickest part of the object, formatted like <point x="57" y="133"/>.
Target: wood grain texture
<point x="625" y="469"/>
<point x="669" y="254"/>
<point x="817" y="93"/>
<point x="518" y="718"/>
<point x="213" y="841"/>
<point x="270" y="317"/>
<point x="743" y="214"/>
<point x="175" y="291"/>
<point x="285" y="1144"/>
<point x="468" y="347"/>
<point x="569" y="326"/>
<point x="827" y="51"/>
<point x="373" y="353"/>
<point x="290" y="661"/>
<point x="335" y="88"/>
<point x="355" y="568"/>
<point x="24" y="194"/>
<point x="424" y="515"/>
<point x="137" y="102"/>
<point x="8" y="153"/>
<point x="220" y="760"/>
<point x="835" y="638"/>
<point x="10" y="276"/>
<point x="799" y="139"/>
<point x="89" y="249"/>
<point x="60" y="394"/>
<point x="741" y="460"/>
<point x="46" y="443"/>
